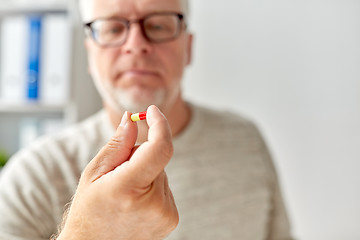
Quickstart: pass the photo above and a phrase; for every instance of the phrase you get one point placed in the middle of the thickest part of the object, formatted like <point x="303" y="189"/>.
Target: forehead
<point x="129" y="8"/>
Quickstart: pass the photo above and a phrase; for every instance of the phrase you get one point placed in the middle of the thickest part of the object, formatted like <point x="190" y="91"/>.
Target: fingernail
<point x="124" y="119"/>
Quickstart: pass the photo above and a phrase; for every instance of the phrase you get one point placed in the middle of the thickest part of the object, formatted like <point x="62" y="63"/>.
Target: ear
<point x="87" y="44"/>
<point x="190" y="38"/>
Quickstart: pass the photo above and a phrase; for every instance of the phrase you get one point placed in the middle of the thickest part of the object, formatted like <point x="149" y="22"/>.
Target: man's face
<point x="138" y="73"/>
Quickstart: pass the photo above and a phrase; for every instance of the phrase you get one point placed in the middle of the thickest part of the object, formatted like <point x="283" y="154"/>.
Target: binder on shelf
<point x="13" y="59"/>
<point x="55" y="74"/>
<point x="50" y="126"/>
<point x="34" y="53"/>
<point x="29" y="130"/>
<point x="34" y="58"/>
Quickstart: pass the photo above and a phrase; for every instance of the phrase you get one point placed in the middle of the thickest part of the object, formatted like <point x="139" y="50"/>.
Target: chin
<point x="132" y="100"/>
<point x="137" y="102"/>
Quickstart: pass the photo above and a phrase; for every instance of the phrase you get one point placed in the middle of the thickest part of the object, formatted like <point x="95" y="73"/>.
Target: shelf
<point x="77" y="106"/>
<point x="27" y="8"/>
<point x="31" y="108"/>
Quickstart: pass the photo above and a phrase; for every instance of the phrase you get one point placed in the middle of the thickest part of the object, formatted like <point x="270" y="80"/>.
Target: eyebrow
<point x="117" y="15"/>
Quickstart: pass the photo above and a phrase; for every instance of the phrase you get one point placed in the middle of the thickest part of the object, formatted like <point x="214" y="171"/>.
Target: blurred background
<point x="292" y="66"/>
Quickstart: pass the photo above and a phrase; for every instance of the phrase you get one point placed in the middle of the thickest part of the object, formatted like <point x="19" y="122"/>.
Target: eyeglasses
<point x="156" y="28"/>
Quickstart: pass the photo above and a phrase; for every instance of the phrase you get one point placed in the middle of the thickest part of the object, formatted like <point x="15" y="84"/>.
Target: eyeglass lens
<point x="156" y="28"/>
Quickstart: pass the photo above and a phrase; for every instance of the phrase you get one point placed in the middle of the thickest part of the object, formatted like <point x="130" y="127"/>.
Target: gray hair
<point x="84" y="8"/>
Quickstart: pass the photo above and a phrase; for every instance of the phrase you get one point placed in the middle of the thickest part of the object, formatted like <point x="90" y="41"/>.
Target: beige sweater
<point x="221" y="175"/>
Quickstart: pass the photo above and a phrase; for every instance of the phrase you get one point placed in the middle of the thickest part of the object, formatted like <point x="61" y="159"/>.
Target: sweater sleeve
<point x="26" y="196"/>
<point x="38" y="182"/>
<point x="279" y="227"/>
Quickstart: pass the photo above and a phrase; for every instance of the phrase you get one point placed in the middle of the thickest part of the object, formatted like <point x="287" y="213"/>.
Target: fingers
<point x="115" y="152"/>
<point x="150" y="159"/>
<point x="146" y="163"/>
<point x="124" y="187"/>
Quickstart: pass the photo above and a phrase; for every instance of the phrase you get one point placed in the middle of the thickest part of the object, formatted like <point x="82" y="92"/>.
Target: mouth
<point x="139" y="73"/>
<point x="141" y="78"/>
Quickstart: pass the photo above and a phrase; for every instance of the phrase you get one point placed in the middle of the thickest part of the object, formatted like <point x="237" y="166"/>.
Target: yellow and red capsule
<point x="138" y="116"/>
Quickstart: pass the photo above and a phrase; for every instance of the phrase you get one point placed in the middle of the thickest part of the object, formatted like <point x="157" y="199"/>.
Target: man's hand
<point x="123" y="193"/>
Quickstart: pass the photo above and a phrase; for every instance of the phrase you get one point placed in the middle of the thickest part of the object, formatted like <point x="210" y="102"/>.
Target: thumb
<point x="150" y="159"/>
<point x="115" y="152"/>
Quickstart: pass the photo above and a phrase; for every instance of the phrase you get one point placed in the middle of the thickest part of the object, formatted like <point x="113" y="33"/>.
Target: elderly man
<point x="219" y="170"/>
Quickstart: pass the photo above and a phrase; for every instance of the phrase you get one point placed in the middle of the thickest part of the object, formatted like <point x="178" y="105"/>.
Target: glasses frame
<point x="89" y="31"/>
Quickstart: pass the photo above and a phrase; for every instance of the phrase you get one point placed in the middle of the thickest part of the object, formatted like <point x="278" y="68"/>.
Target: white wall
<point x="294" y="67"/>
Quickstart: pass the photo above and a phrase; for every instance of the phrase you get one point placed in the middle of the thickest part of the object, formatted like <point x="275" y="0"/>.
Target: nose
<point x="136" y="43"/>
